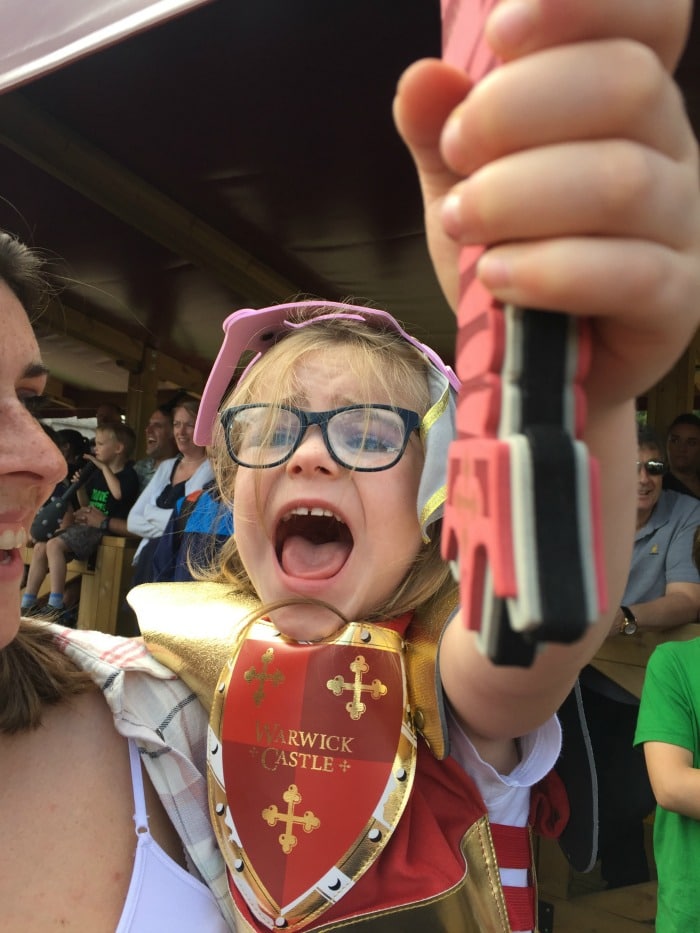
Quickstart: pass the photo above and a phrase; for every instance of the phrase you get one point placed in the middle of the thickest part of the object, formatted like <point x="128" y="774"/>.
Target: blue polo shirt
<point x="663" y="548"/>
<point x="663" y="553"/>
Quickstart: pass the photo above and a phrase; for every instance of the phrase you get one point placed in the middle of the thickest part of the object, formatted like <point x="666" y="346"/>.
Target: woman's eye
<point x="34" y="403"/>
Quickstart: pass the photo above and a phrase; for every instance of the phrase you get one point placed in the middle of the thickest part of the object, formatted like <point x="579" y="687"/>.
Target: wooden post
<point x="142" y="398"/>
<point x="675" y="393"/>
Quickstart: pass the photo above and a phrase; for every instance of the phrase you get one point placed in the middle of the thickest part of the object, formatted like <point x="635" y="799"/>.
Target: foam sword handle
<point x="522" y="518"/>
<point x="48" y="519"/>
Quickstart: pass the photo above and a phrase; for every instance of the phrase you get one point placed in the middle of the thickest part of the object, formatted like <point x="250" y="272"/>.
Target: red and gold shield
<point x="311" y="762"/>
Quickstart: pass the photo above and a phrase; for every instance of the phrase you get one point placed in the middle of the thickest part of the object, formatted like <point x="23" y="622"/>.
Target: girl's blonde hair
<point x="375" y="356"/>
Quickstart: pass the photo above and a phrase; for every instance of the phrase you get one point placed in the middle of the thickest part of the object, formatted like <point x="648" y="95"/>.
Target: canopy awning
<point x="38" y="38"/>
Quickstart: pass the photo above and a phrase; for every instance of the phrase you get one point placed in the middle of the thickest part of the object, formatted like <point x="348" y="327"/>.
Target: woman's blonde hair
<point x="375" y="356"/>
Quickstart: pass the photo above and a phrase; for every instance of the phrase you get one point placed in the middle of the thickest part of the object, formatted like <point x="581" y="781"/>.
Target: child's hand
<point x="88" y="515"/>
<point x="94" y="461"/>
<point x="582" y="176"/>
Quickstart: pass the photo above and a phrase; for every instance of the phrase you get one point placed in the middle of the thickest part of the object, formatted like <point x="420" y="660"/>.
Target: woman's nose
<point x="26" y="448"/>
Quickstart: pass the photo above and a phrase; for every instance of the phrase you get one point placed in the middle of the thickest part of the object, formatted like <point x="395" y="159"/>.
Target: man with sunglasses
<point x="662" y="592"/>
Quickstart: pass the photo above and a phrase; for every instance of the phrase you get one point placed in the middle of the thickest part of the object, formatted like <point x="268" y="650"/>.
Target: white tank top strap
<point x="162" y="895"/>
<point x="140" y="814"/>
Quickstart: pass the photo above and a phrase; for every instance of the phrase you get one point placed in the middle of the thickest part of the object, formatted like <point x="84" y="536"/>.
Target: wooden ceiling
<point x="235" y="156"/>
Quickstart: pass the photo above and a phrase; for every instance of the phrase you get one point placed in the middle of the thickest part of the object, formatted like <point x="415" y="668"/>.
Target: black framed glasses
<point x="652" y="467"/>
<point x="359" y="437"/>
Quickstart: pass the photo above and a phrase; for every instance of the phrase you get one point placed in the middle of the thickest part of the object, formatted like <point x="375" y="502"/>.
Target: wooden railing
<point x="103" y="588"/>
<point x="624" y="659"/>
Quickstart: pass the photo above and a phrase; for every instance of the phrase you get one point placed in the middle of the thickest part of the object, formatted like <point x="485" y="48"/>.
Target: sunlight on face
<point x="30" y="463"/>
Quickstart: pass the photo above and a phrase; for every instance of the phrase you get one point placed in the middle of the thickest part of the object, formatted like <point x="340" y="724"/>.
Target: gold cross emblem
<point x="355" y="706"/>
<point x="263" y="676"/>
<point x="308" y="821"/>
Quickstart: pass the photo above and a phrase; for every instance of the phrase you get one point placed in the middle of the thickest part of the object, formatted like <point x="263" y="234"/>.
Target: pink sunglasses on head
<point x="258" y="330"/>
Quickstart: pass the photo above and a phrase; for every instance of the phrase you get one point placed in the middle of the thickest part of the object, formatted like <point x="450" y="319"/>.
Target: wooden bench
<point x="103" y="588"/>
<point x="622" y="910"/>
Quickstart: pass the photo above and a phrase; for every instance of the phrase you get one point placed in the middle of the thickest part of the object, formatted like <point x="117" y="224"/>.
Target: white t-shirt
<point x="146" y="519"/>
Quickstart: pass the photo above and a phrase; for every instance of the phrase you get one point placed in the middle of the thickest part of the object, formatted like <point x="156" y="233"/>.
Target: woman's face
<point x="183" y="429"/>
<point x="30" y="463"/>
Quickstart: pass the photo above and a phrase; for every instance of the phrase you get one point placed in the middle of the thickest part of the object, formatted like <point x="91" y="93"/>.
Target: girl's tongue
<point x="313" y="547"/>
<point x="302" y="557"/>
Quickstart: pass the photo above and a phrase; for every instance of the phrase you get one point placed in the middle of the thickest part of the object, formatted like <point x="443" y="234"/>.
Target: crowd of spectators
<point x="167" y="498"/>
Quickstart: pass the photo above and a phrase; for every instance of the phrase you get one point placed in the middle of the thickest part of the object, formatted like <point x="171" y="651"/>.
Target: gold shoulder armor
<point x="424" y="688"/>
<point x="192" y="628"/>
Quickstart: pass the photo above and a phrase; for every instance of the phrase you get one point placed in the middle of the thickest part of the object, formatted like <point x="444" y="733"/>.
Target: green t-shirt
<point x="670" y="712"/>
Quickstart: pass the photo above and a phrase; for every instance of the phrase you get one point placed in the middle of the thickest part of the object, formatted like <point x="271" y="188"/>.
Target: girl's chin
<point x="306" y="622"/>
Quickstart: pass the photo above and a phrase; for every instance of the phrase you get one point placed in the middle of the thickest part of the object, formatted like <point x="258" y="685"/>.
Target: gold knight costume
<point x="330" y="788"/>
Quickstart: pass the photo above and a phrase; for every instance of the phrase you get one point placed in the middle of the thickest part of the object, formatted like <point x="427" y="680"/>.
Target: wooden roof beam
<point x="45" y="142"/>
<point x="129" y="352"/>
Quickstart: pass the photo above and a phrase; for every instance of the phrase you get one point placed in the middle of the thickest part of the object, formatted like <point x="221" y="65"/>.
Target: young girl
<point x="332" y="450"/>
<point x="341" y="798"/>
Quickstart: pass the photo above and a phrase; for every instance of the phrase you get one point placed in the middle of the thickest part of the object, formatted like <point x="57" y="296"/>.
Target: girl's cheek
<point x="248" y="496"/>
<point x="260" y="497"/>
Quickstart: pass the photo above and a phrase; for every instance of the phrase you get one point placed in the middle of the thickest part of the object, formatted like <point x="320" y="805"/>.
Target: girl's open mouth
<point x="312" y="543"/>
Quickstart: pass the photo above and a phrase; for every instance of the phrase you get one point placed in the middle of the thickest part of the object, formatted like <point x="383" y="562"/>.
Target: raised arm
<point x="575" y="165"/>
